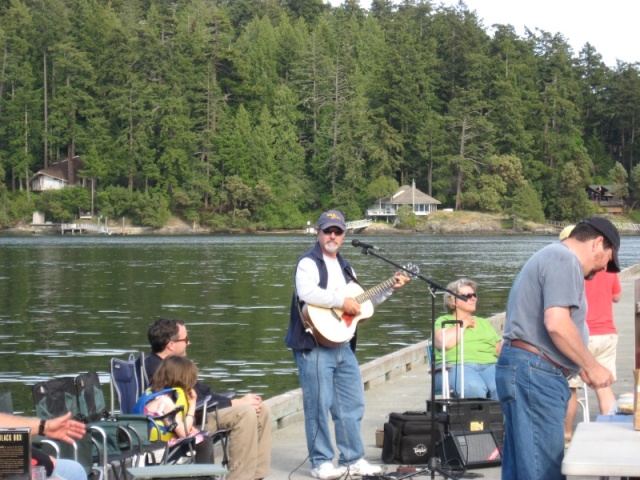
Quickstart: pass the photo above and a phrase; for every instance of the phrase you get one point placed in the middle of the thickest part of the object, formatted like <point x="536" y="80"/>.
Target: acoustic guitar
<point x="332" y="326"/>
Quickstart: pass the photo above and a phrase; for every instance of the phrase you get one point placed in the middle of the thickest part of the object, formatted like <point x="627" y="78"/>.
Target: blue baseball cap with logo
<point x="331" y="218"/>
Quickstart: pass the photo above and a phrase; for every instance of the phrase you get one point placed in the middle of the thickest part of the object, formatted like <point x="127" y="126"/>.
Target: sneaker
<point x="327" y="471"/>
<point x="362" y="468"/>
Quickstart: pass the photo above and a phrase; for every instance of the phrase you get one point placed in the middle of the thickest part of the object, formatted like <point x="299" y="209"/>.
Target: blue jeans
<point x="533" y="395"/>
<point x="69" y="470"/>
<point x="331" y="382"/>
<point x="479" y="380"/>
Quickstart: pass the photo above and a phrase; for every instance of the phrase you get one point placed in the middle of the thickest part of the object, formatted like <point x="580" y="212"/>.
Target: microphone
<point x="358" y="243"/>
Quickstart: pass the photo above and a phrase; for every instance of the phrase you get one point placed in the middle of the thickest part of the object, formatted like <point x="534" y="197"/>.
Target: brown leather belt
<point x="527" y="347"/>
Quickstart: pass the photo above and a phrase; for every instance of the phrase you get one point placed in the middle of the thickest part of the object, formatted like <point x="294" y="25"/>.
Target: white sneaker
<point x="362" y="468"/>
<point x="326" y="471"/>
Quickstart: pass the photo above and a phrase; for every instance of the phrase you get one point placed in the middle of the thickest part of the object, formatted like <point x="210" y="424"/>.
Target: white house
<point x="387" y="208"/>
<point x="56" y="176"/>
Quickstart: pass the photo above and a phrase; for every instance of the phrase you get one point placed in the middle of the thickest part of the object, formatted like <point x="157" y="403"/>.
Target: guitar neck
<point x="372" y="292"/>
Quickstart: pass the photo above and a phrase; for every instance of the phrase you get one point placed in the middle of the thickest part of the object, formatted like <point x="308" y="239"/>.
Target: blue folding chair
<point x="128" y="381"/>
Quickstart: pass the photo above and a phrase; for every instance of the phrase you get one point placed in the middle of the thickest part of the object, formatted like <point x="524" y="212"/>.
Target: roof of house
<point x="59" y="170"/>
<point x="406" y="196"/>
<point x="608" y="189"/>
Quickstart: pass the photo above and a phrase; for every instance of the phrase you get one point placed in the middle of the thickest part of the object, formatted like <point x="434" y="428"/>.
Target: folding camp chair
<point x="6" y="406"/>
<point x="163" y="426"/>
<point x="109" y="444"/>
<point x="128" y="381"/>
<point x="78" y="450"/>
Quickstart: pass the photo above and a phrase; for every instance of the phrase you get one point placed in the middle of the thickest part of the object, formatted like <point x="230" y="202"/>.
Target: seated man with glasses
<point x="247" y="418"/>
<point x="481" y="344"/>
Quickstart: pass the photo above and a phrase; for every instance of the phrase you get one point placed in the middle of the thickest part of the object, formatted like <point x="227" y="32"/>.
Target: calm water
<point x="69" y="304"/>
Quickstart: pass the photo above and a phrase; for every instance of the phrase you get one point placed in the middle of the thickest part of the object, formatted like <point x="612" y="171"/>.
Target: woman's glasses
<point x="335" y="230"/>
<point x="469" y="296"/>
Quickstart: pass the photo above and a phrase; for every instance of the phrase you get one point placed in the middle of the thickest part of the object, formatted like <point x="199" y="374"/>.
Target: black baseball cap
<point x="610" y="232"/>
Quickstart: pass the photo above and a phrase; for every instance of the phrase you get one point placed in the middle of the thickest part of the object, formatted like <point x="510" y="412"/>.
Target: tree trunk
<point x="130" y="141"/>
<point x="463" y="139"/>
<point x="46" y="107"/>
<point x="26" y="152"/>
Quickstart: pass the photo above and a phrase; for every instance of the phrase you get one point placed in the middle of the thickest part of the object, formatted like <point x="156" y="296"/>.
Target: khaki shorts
<point x="603" y="348"/>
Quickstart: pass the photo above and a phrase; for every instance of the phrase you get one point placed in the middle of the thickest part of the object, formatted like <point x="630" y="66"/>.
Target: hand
<point x="65" y="429"/>
<point x="249" y="399"/>
<point x="192" y="399"/>
<point x="401" y="280"/>
<point x="351" y="306"/>
<point x="192" y="395"/>
<point x="469" y="322"/>
<point x="597" y="376"/>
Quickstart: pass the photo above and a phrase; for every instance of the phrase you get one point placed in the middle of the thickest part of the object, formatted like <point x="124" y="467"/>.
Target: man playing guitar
<point x="329" y="373"/>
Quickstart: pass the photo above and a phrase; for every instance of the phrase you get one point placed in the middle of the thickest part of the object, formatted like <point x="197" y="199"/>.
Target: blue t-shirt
<point x="552" y="277"/>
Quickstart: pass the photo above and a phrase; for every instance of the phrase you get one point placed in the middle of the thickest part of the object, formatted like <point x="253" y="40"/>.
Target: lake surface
<point x="69" y="304"/>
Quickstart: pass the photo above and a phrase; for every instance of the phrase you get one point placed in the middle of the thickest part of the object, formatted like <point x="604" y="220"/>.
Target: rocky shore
<point x="437" y="223"/>
<point x="468" y="223"/>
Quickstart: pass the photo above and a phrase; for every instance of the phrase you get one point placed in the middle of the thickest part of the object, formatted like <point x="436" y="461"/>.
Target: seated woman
<point x="481" y="344"/>
<point x="180" y="374"/>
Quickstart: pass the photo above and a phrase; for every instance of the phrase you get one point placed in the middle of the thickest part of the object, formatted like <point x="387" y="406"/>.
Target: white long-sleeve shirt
<point x="308" y="277"/>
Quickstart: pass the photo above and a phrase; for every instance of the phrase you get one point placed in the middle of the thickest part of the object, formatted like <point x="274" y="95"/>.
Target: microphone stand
<point x="433" y="288"/>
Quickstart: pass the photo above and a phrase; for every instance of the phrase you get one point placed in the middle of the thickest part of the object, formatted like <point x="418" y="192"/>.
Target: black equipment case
<point x="407" y="438"/>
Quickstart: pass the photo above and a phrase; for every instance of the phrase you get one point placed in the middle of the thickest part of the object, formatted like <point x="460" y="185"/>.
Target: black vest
<point x="297" y="338"/>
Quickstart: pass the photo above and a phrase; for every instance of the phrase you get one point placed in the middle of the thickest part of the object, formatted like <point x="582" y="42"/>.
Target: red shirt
<point x="600" y="291"/>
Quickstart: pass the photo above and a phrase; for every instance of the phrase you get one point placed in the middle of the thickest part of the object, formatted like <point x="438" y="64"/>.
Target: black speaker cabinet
<point x="472" y="414"/>
<point x="469" y="450"/>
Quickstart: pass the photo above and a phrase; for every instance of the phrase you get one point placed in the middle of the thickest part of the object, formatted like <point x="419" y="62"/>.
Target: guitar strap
<point x="349" y="272"/>
<point x="354" y="340"/>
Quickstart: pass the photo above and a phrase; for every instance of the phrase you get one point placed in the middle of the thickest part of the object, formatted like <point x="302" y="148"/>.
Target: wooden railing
<point x="357" y="224"/>
<point x="83" y="227"/>
<point x="618" y="225"/>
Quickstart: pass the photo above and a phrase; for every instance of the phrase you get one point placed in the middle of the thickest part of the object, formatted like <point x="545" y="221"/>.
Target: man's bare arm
<point x="566" y="337"/>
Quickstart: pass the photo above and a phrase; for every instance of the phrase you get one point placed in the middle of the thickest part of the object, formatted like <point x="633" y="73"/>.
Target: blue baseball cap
<point x="331" y="218"/>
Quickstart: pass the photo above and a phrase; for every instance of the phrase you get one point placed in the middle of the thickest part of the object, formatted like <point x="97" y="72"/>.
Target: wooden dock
<point x="81" y="228"/>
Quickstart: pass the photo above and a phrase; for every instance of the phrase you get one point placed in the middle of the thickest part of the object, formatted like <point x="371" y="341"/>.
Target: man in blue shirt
<point x="545" y="342"/>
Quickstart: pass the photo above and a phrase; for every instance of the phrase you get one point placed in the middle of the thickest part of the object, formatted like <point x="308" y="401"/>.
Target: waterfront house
<point x="56" y="176"/>
<point x="387" y="208"/>
<point x="606" y="198"/>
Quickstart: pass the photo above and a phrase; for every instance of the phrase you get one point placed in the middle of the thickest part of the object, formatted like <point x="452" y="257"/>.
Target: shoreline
<point x="437" y="223"/>
<point x="178" y="232"/>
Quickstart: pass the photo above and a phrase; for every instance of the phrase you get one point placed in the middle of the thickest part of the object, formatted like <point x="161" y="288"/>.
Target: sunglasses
<point x="469" y="296"/>
<point x="330" y="230"/>
<point x="185" y="339"/>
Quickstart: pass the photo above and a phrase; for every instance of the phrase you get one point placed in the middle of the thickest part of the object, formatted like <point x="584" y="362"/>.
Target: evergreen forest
<point x="260" y="113"/>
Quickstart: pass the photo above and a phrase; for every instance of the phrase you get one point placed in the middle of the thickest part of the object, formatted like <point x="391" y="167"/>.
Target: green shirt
<point x="479" y="343"/>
